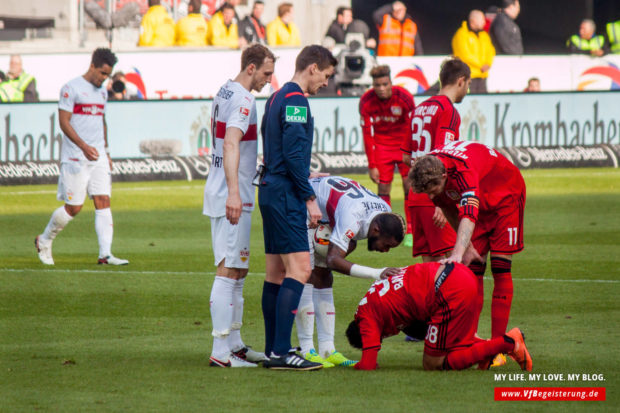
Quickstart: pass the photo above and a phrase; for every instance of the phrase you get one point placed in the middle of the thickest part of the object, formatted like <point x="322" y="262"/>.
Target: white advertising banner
<point x="197" y="74"/>
<point x="30" y="132"/>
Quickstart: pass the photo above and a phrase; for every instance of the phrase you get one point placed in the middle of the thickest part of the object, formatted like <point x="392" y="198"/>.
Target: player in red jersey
<point x="444" y="295"/>
<point x="483" y="196"/>
<point x="435" y="122"/>
<point x="385" y="112"/>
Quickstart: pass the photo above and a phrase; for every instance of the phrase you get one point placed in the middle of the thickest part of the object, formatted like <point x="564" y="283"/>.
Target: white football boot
<point x="44" y="249"/>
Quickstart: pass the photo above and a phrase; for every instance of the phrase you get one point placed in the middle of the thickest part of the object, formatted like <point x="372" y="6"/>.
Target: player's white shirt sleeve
<point x="347" y="228"/>
<point x="67" y="98"/>
<point x="240" y="117"/>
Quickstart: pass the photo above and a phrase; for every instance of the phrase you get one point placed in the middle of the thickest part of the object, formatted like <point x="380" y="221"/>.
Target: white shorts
<point x="232" y="242"/>
<point x="79" y="177"/>
<point x="316" y="260"/>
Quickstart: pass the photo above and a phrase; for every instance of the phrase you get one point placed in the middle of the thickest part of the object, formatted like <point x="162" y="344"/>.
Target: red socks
<point x="502" y="295"/>
<point x="482" y="350"/>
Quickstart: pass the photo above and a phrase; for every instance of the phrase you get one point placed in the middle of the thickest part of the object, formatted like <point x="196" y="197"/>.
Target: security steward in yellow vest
<point x="587" y="42"/>
<point x="191" y="30"/>
<point x="20" y="86"/>
<point x="398" y="34"/>
<point x="613" y="34"/>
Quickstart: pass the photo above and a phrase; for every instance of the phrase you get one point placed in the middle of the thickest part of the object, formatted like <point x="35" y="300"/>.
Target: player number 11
<point x="512" y="236"/>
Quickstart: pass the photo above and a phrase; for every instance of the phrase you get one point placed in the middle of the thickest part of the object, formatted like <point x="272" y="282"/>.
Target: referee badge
<point x="297" y="114"/>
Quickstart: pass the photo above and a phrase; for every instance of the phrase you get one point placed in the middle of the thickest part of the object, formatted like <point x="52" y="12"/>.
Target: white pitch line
<point x="116" y="189"/>
<point x="56" y="270"/>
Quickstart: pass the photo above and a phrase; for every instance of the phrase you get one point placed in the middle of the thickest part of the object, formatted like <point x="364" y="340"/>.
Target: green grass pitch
<point x="77" y="337"/>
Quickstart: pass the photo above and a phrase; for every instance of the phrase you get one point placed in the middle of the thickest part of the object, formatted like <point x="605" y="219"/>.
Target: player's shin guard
<point x="221" y="304"/>
<point x="59" y="219"/>
<point x="304" y="320"/>
<point x="502" y="295"/>
<point x="286" y="308"/>
<point x="269" y="299"/>
<point x="478" y="269"/>
<point x="386" y="198"/>
<point x="104" y="227"/>
<point x="482" y="350"/>
<point x="234" y="339"/>
<point x="325" y="320"/>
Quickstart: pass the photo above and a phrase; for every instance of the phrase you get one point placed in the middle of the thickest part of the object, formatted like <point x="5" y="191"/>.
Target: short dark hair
<point x="227" y="6"/>
<point x="426" y="172"/>
<point x="314" y="54"/>
<point x="340" y="11"/>
<point x="380" y="71"/>
<point x="353" y="334"/>
<point x="103" y="56"/>
<point x="256" y="53"/>
<point x="154" y="3"/>
<point x="452" y="70"/>
<point x="391" y="225"/>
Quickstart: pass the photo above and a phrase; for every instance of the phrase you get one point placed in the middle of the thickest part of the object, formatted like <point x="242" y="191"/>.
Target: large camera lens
<point x="118" y="86"/>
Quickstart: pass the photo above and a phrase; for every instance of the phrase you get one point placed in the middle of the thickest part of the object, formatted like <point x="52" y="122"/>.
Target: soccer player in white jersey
<point x="229" y="201"/>
<point x="354" y="213"/>
<point x="85" y="163"/>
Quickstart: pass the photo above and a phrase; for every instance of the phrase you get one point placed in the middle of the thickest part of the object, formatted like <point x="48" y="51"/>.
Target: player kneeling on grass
<point x="446" y="296"/>
<point x="354" y="213"/>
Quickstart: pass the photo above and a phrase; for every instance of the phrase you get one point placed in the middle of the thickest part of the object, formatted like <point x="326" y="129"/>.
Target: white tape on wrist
<point x="361" y="271"/>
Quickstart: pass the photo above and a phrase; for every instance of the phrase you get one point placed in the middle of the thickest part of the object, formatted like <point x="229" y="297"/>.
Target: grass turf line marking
<point x="23" y="270"/>
<point x="119" y="189"/>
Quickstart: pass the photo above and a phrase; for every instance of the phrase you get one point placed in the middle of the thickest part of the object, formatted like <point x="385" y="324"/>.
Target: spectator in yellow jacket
<point x="157" y="27"/>
<point x="282" y="31"/>
<point x="474" y="47"/>
<point x="223" y="29"/>
<point x="191" y="30"/>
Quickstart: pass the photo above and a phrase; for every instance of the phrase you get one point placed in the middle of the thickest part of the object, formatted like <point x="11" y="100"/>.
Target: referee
<point x="287" y="203"/>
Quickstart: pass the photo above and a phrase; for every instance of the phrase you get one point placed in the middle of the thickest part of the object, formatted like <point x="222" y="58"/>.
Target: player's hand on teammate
<point x="439" y="219"/>
<point x="374" y="174"/>
<point x="388" y="272"/>
<point x="314" y="213"/>
<point x="233" y="208"/>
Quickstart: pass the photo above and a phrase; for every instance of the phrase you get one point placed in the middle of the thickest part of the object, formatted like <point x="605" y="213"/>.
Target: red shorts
<point x="501" y="231"/>
<point x="452" y="324"/>
<point x="385" y="158"/>
<point x="428" y="239"/>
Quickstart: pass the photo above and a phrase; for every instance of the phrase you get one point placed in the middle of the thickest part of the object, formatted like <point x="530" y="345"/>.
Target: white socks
<point x="304" y="320"/>
<point x="316" y="303"/>
<point x="222" y="309"/>
<point x="105" y="231"/>
<point x="325" y="320"/>
<point x="60" y="218"/>
<point x="234" y="339"/>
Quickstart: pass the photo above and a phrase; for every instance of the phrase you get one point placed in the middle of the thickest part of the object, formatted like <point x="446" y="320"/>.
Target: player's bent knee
<point x="73" y="210"/>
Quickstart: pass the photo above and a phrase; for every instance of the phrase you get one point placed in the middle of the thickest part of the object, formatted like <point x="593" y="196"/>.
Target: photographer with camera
<point x="120" y="89"/>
